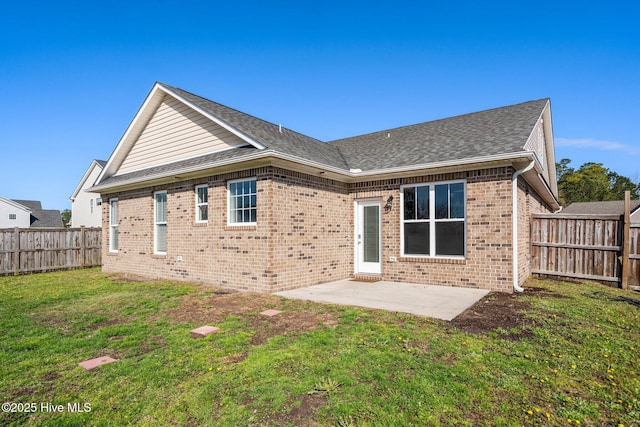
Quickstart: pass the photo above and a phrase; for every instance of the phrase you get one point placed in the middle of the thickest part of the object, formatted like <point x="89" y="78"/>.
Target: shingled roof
<point x="492" y="132"/>
<point x="43" y="218"/>
<point x="502" y="130"/>
<point x="613" y="207"/>
<point x="497" y="134"/>
<point x="275" y="137"/>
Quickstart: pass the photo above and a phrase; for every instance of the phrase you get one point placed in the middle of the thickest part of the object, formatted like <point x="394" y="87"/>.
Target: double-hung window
<point x="433" y="220"/>
<point x="242" y="203"/>
<point x="160" y="223"/>
<point x="113" y="225"/>
<point x="202" y="203"/>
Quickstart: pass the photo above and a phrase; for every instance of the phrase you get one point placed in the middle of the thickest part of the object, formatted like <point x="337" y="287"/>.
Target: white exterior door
<point x="368" y="231"/>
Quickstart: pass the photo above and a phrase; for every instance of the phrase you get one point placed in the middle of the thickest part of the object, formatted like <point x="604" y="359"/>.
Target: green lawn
<point x="569" y="357"/>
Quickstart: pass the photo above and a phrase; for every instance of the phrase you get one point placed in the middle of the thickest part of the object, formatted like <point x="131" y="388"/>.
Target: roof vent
<point x="389" y="135"/>
<point x="355" y="170"/>
<point x="280" y="128"/>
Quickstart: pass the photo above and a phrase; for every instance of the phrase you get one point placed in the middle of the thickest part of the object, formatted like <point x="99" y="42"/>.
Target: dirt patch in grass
<point x="497" y="311"/>
<point x="288" y="322"/>
<point x="302" y="414"/>
<point x="213" y="308"/>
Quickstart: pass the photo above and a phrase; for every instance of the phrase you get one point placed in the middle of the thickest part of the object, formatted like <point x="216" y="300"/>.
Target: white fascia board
<point x="94" y="164"/>
<point x="459" y="163"/>
<point x="148" y="108"/>
<point x="15" y="204"/>
<point x="215" y="119"/>
<point x="550" y="146"/>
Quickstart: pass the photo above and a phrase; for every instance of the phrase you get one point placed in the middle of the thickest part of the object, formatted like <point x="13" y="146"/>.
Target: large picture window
<point x="202" y="203"/>
<point x="433" y="220"/>
<point x="113" y="225"/>
<point x="160" y="223"/>
<point x="242" y="202"/>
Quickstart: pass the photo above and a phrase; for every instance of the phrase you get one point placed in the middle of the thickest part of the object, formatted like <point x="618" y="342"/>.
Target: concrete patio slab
<point x="440" y="302"/>
<point x="98" y="361"/>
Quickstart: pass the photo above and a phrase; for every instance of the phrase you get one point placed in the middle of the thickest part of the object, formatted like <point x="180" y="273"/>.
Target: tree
<point x="592" y="182"/>
<point x="66" y="217"/>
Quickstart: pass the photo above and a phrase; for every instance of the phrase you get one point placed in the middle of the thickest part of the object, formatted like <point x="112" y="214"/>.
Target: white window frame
<point x="13" y="216"/>
<point x="157" y="223"/>
<point x="199" y="204"/>
<point x="91" y="205"/>
<point x="113" y="225"/>
<point x="432" y="220"/>
<point x="231" y="212"/>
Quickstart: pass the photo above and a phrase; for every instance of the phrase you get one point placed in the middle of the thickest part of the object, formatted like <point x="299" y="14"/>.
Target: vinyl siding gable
<point x="176" y="132"/>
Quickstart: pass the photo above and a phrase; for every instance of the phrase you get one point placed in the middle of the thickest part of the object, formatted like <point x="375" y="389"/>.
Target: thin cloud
<point x="596" y="143"/>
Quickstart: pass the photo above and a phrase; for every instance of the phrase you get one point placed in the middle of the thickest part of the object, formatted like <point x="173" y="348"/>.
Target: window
<point x="433" y="220"/>
<point x="91" y="205"/>
<point x="202" y="203"/>
<point x="13" y="216"/>
<point x="98" y="201"/>
<point x="160" y="222"/>
<point x="113" y="225"/>
<point x="242" y="202"/>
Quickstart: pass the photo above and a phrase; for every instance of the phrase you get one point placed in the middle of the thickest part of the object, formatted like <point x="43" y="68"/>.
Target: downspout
<point x="514" y="225"/>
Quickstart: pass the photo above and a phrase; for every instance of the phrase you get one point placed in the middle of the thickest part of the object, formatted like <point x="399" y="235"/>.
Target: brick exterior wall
<point x="304" y="233"/>
<point x="529" y="202"/>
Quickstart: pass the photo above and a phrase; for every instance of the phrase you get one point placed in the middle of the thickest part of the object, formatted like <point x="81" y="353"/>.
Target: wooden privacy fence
<point x="31" y="250"/>
<point x="586" y="247"/>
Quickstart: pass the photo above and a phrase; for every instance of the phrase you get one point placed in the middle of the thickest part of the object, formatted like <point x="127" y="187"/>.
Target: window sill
<point x="159" y="256"/>
<point x="200" y="224"/>
<point x="231" y="227"/>
<point x="433" y="260"/>
<point x="112" y="253"/>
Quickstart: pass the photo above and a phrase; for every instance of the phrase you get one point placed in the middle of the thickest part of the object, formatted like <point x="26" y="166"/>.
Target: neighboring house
<point x="614" y="207"/>
<point x="27" y="213"/>
<point x="86" y="207"/>
<point x="199" y="191"/>
<point x="13" y="214"/>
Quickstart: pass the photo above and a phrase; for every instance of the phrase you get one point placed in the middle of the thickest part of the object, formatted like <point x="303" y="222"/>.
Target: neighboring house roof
<point x="496" y="135"/>
<point x="615" y="207"/>
<point x="48" y="218"/>
<point x="14" y="204"/>
<point x="94" y="164"/>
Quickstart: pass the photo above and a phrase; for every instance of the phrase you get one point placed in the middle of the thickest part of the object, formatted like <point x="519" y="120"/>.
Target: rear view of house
<point x="199" y="191"/>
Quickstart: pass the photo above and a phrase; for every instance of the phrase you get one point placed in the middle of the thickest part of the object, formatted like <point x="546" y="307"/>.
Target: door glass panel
<point x="371" y="233"/>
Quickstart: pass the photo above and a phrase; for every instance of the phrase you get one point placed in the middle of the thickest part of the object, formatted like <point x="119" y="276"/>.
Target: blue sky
<point x="73" y="74"/>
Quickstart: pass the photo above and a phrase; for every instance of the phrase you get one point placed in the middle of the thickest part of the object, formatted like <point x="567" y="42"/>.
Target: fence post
<point x="83" y="247"/>
<point x="626" y="247"/>
<point x="16" y="251"/>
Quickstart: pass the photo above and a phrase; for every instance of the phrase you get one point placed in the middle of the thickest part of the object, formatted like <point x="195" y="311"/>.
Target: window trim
<point x="156" y="222"/>
<point x="198" y="204"/>
<point x="13" y="216"/>
<point x="113" y="227"/>
<point x="240" y="224"/>
<point x="433" y="220"/>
